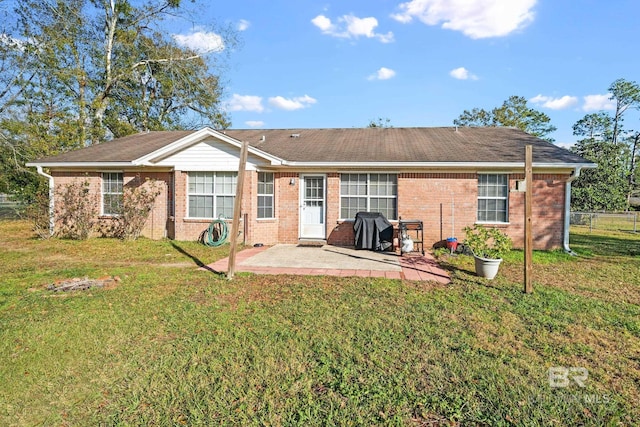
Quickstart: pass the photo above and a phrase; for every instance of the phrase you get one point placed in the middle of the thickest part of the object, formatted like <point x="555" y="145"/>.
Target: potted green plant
<point x="489" y="245"/>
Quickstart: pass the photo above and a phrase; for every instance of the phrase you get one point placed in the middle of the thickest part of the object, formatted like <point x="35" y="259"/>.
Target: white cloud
<point x="598" y="102"/>
<point x="243" y="25"/>
<point x="382" y="74"/>
<point x="351" y="27"/>
<point x="474" y="18"/>
<point x="360" y="26"/>
<point x="324" y="24"/>
<point x="254" y="123"/>
<point x="386" y="38"/>
<point x="200" y="41"/>
<point x="555" y="103"/>
<point x="566" y="145"/>
<point x="291" y="104"/>
<point x="11" y="43"/>
<point x="462" y="73"/>
<point x="245" y="103"/>
<point x="7" y="40"/>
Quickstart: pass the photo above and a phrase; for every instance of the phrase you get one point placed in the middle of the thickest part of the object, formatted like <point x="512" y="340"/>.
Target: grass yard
<point x="608" y="221"/>
<point x="172" y="345"/>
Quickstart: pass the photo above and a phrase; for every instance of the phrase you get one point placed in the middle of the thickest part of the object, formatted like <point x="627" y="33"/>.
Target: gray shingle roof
<point x="125" y="149"/>
<point x="429" y="145"/>
<point x="443" y="144"/>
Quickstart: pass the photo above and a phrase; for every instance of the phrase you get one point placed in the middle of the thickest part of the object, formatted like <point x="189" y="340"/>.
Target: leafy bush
<point x="76" y="210"/>
<point x="138" y="199"/>
<point x="487" y="242"/>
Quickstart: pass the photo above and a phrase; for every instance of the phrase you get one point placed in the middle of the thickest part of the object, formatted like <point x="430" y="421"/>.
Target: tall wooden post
<point x="237" y="206"/>
<point x="528" y="234"/>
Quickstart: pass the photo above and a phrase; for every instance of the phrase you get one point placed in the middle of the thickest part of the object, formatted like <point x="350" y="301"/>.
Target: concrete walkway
<point x="334" y="261"/>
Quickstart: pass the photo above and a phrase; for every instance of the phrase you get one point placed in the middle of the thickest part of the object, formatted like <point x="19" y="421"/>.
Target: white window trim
<point x="506" y="198"/>
<point x="102" y="192"/>
<point x="214" y="195"/>
<point x="368" y="196"/>
<point x="273" y="197"/>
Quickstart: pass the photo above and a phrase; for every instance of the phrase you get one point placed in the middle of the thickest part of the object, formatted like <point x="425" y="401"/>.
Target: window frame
<point x="263" y="194"/>
<point x="214" y="195"/>
<point x="368" y="196"/>
<point x="106" y="178"/>
<point x="504" y="198"/>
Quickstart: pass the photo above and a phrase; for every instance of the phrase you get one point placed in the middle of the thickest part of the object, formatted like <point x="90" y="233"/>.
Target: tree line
<point x="603" y="139"/>
<point x="78" y="72"/>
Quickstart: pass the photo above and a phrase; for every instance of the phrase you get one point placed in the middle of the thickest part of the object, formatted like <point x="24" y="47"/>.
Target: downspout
<point x="567" y="210"/>
<point x="51" y="198"/>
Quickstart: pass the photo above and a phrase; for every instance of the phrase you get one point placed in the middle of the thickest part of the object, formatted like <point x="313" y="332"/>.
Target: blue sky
<point x="315" y="64"/>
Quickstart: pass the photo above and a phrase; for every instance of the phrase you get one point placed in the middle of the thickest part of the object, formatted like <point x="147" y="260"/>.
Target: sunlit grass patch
<point x="174" y="345"/>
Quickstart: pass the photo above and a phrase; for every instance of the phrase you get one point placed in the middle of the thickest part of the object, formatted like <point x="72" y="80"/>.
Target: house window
<point x="212" y="194"/>
<point x="265" y="195"/>
<point x="493" y="191"/>
<point x="112" y="183"/>
<point x="372" y="192"/>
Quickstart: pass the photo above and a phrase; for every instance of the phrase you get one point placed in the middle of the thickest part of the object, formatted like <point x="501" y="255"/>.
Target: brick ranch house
<point x="310" y="183"/>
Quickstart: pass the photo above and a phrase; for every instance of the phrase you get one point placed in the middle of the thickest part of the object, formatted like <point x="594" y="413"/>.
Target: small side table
<point x="414" y="229"/>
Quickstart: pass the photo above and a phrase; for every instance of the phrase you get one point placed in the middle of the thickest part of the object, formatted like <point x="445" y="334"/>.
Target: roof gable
<point x="208" y="154"/>
<point x="215" y="139"/>
<point x="148" y="148"/>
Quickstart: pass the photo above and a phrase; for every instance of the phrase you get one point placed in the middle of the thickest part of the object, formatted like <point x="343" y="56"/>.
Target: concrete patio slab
<point x="334" y="261"/>
<point x="293" y="256"/>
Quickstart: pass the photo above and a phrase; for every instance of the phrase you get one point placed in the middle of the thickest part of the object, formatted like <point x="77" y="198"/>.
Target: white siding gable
<point x="210" y="155"/>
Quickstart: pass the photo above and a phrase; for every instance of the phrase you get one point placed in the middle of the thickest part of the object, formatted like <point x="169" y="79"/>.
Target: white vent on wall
<point x="521" y="185"/>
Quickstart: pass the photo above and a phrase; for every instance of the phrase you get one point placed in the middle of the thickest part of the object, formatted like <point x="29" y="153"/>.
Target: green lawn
<point x="172" y="345"/>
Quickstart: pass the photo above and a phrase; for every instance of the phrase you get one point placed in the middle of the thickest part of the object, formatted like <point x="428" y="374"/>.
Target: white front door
<point x="312" y="207"/>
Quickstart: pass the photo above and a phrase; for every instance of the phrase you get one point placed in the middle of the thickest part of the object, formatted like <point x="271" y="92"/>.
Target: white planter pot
<point x="486" y="267"/>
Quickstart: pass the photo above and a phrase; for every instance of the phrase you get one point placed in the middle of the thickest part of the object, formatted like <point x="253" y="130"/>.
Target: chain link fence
<point x="615" y="221"/>
<point x="8" y="208"/>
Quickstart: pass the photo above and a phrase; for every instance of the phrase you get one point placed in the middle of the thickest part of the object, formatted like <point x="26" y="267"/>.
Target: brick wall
<point x="62" y="179"/>
<point x="445" y="202"/>
<point x="156" y="224"/>
<point x="264" y="230"/>
<point x="186" y="228"/>
<point x="547" y="211"/>
<point x="288" y="207"/>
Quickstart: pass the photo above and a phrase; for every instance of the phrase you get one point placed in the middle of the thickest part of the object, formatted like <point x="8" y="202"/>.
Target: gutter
<point x="567" y="210"/>
<point x="51" y="199"/>
<point x="403" y="165"/>
<point x="81" y="164"/>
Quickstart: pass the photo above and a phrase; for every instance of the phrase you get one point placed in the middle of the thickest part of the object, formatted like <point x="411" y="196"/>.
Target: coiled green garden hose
<point x="216" y="233"/>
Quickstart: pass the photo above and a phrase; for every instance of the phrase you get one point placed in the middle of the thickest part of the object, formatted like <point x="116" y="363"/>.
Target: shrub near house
<point x="77" y="208"/>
